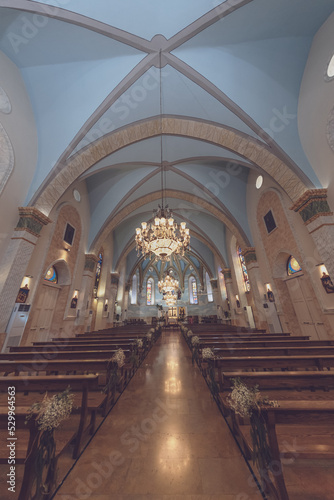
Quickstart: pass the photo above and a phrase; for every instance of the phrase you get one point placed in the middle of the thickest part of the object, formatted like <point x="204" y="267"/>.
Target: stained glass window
<point x="293" y="266"/>
<point x="243" y="270"/>
<point x="193" y="290"/>
<point x="149" y="292"/>
<point x="51" y="275"/>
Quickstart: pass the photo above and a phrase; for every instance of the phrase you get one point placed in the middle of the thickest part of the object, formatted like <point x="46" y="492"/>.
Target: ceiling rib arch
<point x="114" y="220"/>
<point x="294" y="185"/>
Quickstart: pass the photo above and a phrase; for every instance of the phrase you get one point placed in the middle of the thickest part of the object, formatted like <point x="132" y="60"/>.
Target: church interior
<point x="167" y="249"/>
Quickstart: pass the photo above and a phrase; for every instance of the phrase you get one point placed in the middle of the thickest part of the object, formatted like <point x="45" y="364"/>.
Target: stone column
<point x="17" y="257"/>
<point x="254" y="276"/>
<point x="217" y="298"/>
<point x="86" y="294"/>
<point x="114" y="279"/>
<point x="318" y="218"/>
<point x="125" y="302"/>
<point x="229" y="292"/>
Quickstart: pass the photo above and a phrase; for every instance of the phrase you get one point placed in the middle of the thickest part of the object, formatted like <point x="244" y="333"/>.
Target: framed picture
<point x="22" y="295"/>
<point x="327" y="283"/>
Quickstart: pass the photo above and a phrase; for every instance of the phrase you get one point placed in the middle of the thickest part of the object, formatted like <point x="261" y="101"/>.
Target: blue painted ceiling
<point x="91" y="68"/>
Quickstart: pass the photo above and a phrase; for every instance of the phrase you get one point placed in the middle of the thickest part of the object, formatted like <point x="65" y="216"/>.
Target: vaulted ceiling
<point x="230" y="78"/>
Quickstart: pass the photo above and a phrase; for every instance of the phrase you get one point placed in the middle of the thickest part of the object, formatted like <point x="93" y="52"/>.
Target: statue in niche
<point x="327" y="283"/>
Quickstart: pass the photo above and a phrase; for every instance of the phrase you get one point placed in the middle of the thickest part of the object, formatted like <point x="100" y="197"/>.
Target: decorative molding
<point x="312" y="204"/>
<point x="214" y="284"/>
<point x="227" y="273"/>
<point x="90" y="262"/>
<point x="5" y="104"/>
<point x="249" y="255"/>
<point x="31" y="220"/>
<point x="114" y="279"/>
<point x="6" y="157"/>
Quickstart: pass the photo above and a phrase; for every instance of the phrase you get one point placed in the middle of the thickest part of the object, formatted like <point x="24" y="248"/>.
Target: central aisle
<point x="165" y="439"/>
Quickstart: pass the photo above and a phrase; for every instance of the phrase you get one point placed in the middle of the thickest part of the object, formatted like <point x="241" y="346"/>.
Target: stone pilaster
<point x="254" y="276"/>
<point x="227" y="272"/>
<point x="217" y="298"/>
<point x="318" y="218"/>
<point x="125" y="302"/>
<point x="87" y="284"/>
<point x="114" y="280"/>
<point x="17" y="257"/>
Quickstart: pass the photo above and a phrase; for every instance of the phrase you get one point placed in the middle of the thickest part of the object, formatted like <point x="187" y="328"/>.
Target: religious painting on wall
<point x="327" y="283"/>
<point x="22" y="295"/>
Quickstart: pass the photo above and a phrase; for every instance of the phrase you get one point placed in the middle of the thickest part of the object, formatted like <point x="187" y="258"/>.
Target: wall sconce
<point x="95" y="292"/>
<point x="270" y="294"/>
<point x="67" y="249"/>
<point x="237" y="300"/>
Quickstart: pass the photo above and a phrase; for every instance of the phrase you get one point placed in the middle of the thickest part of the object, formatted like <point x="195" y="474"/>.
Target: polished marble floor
<point x="164" y="439"/>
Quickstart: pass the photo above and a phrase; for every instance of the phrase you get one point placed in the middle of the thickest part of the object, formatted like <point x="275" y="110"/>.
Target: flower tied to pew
<point x="195" y="340"/>
<point x="119" y="357"/>
<point x="247" y="402"/>
<point x="207" y="353"/>
<point x="194" y="345"/>
<point x="50" y="412"/>
<point x="48" y="415"/>
<point x="189" y="333"/>
<point x="139" y="343"/>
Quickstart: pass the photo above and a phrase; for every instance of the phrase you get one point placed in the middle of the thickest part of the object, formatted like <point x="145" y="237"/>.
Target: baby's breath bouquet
<point x="207" y="353"/>
<point x="119" y="357"/>
<point x="49" y="414"/>
<point x="247" y="402"/>
<point x="118" y="361"/>
<point x="194" y="346"/>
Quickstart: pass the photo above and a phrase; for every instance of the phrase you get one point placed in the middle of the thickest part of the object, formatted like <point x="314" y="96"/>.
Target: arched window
<point x="193" y="290"/>
<point x="150" y="292"/>
<point x="209" y="288"/>
<point x="51" y="275"/>
<point x="243" y="270"/>
<point x="293" y="266"/>
<point x="133" y="295"/>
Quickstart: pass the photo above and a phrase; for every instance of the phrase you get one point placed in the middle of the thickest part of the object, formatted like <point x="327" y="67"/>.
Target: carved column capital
<point x="31" y="220"/>
<point x="312" y="204"/>
<point x="90" y="262"/>
<point x="249" y="255"/>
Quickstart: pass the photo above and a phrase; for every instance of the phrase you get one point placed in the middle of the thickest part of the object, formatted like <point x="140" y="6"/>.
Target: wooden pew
<point x="273" y="363"/>
<point x="302" y="417"/>
<point x="30" y="389"/>
<point x="273" y="351"/>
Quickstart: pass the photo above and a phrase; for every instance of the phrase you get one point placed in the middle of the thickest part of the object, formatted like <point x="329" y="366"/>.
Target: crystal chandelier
<point x="164" y="237"/>
<point x="169" y="284"/>
<point x="170" y="299"/>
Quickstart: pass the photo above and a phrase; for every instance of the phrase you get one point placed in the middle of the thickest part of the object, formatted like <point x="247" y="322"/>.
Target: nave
<point x="165" y="439"/>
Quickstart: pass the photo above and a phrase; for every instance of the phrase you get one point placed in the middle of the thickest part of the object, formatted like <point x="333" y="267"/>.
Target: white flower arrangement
<point x="149" y="335"/>
<point x="139" y="343"/>
<point x="244" y="400"/>
<point x="195" y="340"/>
<point x="207" y="353"/>
<point x="52" y="411"/>
<point x="119" y="357"/>
<point x="189" y="333"/>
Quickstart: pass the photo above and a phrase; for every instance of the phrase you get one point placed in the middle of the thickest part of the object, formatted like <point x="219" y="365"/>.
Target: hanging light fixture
<point x="164" y="237"/>
<point x="170" y="299"/>
<point x="169" y="284"/>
